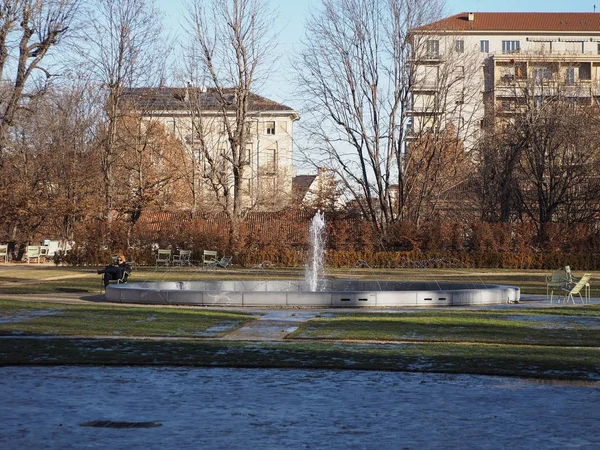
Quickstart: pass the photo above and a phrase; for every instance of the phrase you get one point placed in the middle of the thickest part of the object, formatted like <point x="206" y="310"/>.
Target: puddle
<point x="113" y="424"/>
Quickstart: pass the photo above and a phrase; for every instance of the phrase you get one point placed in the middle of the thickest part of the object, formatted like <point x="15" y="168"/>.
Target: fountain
<point x="314" y="290"/>
<point x="314" y="270"/>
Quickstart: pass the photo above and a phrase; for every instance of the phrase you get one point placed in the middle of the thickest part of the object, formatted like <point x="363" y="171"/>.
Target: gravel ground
<point x="216" y="408"/>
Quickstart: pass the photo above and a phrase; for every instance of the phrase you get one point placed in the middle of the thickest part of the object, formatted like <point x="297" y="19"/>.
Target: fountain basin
<point x="291" y="293"/>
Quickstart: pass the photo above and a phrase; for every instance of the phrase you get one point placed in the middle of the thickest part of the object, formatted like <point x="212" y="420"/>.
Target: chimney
<point x="471" y="17"/>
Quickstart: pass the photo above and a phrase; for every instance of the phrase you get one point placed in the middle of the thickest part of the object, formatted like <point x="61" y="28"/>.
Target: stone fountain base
<point x="336" y="293"/>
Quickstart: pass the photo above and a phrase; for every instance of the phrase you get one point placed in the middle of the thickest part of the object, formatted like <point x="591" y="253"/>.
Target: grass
<point x="546" y="342"/>
<point x="572" y="327"/>
<point x="56" y="319"/>
<point x="507" y="360"/>
<point x="32" y="279"/>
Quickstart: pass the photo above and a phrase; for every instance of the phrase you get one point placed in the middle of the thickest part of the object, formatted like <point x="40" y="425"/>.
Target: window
<point x="433" y="48"/>
<point x="270" y="128"/>
<point x="460" y="72"/>
<point x="521" y="70"/>
<point x="484" y="46"/>
<point x="511" y="46"/>
<point x="459" y="46"/>
<point x="599" y="48"/>
<point x="270" y="161"/>
<point x="541" y="74"/>
<point x="570" y="76"/>
<point x="248" y="156"/>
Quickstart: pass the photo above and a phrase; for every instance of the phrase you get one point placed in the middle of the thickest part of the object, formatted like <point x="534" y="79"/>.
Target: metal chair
<point x="209" y="258"/>
<point x="163" y="257"/>
<point x="583" y="283"/>
<point x="33" y="252"/>
<point x="4" y="252"/>
<point x="183" y="258"/>
<point x="223" y="262"/>
<point x="124" y="278"/>
<point x="558" y="279"/>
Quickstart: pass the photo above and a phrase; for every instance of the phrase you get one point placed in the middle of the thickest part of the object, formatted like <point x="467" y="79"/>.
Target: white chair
<point x="163" y="257"/>
<point x="4" y="252"/>
<point x="183" y="258"/>
<point x="583" y="283"/>
<point x="209" y="258"/>
<point x="33" y="252"/>
<point x="223" y="262"/>
<point x="558" y="280"/>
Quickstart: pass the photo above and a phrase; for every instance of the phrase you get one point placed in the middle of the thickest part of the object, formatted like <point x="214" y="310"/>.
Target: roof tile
<point x="518" y="21"/>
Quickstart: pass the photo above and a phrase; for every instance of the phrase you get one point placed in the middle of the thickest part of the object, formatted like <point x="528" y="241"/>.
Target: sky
<point x="292" y="14"/>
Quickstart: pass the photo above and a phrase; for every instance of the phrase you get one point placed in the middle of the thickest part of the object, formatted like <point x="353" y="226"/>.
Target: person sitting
<point x="116" y="270"/>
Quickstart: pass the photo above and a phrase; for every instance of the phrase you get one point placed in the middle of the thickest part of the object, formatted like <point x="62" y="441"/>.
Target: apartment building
<point x="474" y="70"/>
<point x="199" y="120"/>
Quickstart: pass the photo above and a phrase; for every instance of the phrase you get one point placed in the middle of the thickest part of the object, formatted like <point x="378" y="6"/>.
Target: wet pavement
<point x="218" y="408"/>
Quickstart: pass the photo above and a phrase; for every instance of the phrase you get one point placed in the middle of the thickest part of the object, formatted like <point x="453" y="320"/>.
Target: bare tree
<point x="29" y="30"/>
<point x="357" y="75"/>
<point x="232" y="41"/>
<point x="546" y="141"/>
<point x="125" y="47"/>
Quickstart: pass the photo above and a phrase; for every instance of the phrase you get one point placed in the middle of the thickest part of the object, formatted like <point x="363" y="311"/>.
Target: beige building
<point x="195" y="116"/>
<point x="477" y="69"/>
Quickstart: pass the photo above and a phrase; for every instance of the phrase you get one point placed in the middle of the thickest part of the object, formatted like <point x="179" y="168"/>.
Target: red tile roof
<point x="513" y="21"/>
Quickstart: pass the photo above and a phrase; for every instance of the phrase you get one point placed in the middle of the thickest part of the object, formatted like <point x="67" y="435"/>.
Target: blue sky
<point x="293" y="13"/>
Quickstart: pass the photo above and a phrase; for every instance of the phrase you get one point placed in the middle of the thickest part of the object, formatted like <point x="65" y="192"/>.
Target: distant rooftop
<point x="513" y="21"/>
<point x="301" y="184"/>
<point x="177" y="98"/>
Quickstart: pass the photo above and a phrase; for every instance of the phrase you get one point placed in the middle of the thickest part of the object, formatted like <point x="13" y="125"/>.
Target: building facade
<point x="198" y="118"/>
<point x="474" y="70"/>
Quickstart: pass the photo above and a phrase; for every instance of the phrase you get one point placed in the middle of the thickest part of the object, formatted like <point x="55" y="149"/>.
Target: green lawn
<point x="59" y="319"/>
<point x="559" y="343"/>
<point x="564" y="326"/>
<point x="22" y="279"/>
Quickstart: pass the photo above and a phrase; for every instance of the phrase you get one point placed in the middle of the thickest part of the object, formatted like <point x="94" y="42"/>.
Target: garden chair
<point x="4" y="252"/>
<point x="33" y="252"/>
<point x="183" y="258"/>
<point x="558" y="279"/>
<point x="163" y="257"/>
<point x="223" y="262"/>
<point x="124" y="278"/>
<point x="209" y="258"/>
<point x="569" y="292"/>
<point x="44" y="252"/>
